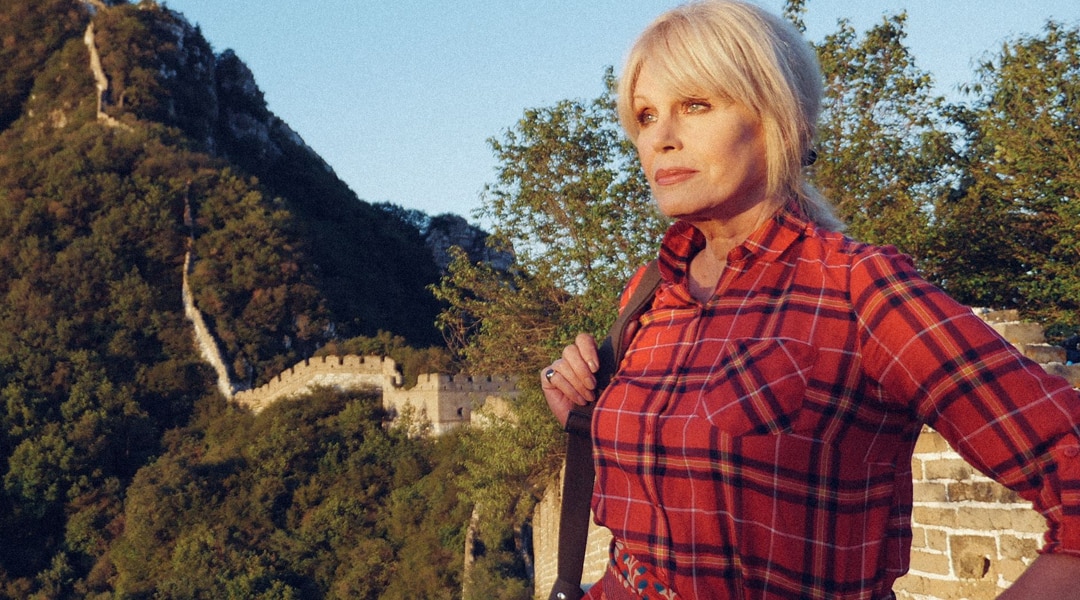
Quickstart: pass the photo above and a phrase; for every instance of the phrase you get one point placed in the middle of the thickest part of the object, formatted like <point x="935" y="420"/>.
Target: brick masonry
<point x="972" y="536"/>
<point x="439" y="402"/>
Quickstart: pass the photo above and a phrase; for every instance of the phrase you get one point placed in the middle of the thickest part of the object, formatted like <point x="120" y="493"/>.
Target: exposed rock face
<point x="446" y="231"/>
<point x="214" y="99"/>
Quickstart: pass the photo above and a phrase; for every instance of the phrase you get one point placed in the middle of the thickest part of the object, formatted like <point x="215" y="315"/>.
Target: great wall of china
<point x="441" y="401"/>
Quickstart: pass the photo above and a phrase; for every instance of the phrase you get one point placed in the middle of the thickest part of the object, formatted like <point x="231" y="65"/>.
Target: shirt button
<point x="1072" y="451"/>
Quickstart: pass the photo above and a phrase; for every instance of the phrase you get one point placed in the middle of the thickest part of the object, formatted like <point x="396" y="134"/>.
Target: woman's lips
<point x="672" y="176"/>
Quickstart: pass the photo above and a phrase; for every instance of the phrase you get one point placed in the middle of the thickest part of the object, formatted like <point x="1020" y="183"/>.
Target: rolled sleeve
<point x="1001" y="411"/>
<point x="1059" y="498"/>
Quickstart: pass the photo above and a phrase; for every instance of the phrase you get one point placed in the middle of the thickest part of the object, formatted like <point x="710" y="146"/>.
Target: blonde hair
<point x="735" y="50"/>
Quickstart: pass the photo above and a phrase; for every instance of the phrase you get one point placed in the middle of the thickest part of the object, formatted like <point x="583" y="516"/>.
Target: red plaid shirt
<point x="759" y="445"/>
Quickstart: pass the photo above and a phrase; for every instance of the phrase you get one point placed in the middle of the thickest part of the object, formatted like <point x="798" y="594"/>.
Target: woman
<point x="756" y="441"/>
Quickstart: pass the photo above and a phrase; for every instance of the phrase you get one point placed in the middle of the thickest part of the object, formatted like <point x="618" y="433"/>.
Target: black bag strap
<point x="579" y="475"/>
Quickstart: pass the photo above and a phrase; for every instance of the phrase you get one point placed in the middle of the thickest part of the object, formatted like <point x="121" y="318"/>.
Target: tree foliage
<point x="31" y="33"/>
<point x="1011" y="230"/>
<point x="882" y="147"/>
<point x="309" y="499"/>
<point x="570" y="202"/>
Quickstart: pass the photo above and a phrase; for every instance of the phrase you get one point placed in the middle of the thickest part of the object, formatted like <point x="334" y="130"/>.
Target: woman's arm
<point x="1050" y="577"/>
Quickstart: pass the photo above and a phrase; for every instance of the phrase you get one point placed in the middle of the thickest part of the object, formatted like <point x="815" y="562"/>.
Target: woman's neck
<point x="721" y="237"/>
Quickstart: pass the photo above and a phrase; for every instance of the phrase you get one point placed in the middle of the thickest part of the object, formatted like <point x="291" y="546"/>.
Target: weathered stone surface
<point x="972" y="555"/>
<point x="1018" y="332"/>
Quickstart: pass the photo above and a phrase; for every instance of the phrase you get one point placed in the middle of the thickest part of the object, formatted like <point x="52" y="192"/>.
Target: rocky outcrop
<point x="446" y="231"/>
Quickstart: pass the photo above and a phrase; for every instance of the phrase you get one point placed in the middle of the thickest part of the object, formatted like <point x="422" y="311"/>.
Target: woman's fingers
<point x="571" y="379"/>
<point x="578" y="372"/>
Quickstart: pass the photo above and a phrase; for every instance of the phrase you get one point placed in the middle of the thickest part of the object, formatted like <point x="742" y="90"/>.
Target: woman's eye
<point x="697" y="106"/>
<point x="645" y="117"/>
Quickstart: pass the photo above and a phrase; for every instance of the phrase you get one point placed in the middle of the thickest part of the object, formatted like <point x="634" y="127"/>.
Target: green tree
<point x="316" y="497"/>
<point x="30" y="33"/>
<point x="1010" y="232"/>
<point x="571" y="203"/>
<point x="883" y="152"/>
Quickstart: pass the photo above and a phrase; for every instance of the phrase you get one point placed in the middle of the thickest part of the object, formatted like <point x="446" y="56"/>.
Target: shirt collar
<point x="682" y="241"/>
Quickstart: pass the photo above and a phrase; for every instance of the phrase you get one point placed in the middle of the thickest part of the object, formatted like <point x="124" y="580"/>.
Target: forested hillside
<point x="105" y="186"/>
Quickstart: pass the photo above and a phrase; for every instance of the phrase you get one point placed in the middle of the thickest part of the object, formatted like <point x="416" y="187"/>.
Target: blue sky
<point x="401" y="97"/>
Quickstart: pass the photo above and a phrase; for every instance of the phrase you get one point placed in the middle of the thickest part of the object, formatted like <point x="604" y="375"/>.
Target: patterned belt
<point x="635" y="578"/>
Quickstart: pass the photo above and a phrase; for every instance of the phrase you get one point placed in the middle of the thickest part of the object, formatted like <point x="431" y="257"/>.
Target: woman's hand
<point x="570" y="380"/>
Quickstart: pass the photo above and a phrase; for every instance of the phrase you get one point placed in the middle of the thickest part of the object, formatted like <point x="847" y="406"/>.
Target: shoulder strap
<point x="612" y="348"/>
<point x="579" y="475"/>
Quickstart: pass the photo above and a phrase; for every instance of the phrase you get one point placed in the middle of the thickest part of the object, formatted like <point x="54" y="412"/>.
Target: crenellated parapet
<point x="340" y="372"/>
<point x="441" y="401"/>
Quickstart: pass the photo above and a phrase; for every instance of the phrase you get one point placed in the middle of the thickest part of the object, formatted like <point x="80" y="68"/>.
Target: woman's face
<point x="704" y="157"/>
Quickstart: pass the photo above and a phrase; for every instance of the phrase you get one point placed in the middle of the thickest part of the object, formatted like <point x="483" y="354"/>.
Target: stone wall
<point x="546" y="543"/>
<point x="204" y="340"/>
<point x="972" y="536"/>
<point x="341" y="372"/>
<point x="445" y="401"/>
<point x="441" y="402"/>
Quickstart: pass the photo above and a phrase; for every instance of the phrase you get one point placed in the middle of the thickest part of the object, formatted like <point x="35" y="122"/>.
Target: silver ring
<point x="549" y="374"/>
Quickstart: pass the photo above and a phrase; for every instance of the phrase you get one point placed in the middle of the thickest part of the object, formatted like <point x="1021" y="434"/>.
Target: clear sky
<point x="401" y="96"/>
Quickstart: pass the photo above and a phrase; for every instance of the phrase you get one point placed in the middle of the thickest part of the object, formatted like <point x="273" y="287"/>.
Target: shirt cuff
<point x="1060" y="498"/>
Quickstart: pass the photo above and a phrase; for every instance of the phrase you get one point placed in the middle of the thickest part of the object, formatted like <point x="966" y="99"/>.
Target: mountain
<point x="348" y="268"/>
<point x="127" y="145"/>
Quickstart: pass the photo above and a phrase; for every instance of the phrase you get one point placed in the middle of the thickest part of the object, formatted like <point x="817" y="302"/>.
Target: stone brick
<point x="942" y="517"/>
<point x="1018" y="548"/>
<point x="972" y="555"/>
<point x="918" y="469"/>
<point x="931" y="441"/>
<point x="929" y="492"/>
<point x="928" y="562"/>
<point x="998" y="316"/>
<point x="918" y="537"/>
<point x="981" y="491"/>
<point x="1070" y="373"/>
<point x="990" y="518"/>
<point x="912" y="586"/>
<point x="1010" y="569"/>
<point x="947" y="468"/>
<point x="937" y="539"/>
<point x="1017" y="333"/>
<point x="972" y="589"/>
<point x="1043" y="353"/>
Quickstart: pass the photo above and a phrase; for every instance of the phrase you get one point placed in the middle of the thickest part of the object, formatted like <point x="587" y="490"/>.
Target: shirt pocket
<point x="757" y="386"/>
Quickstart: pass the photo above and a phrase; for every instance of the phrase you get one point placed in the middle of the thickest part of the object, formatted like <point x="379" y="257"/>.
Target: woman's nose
<point x="667" y="135"/>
